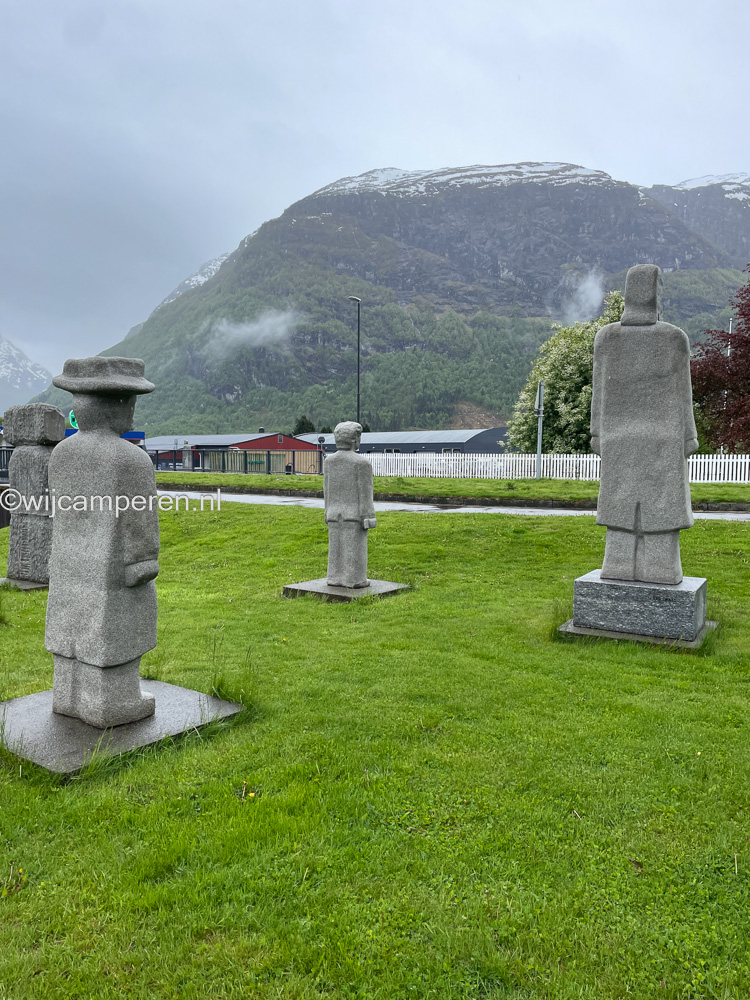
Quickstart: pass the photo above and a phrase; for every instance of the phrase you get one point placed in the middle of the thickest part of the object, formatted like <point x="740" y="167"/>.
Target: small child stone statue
<point x="643" y="427"/>
<point x="101" y="612"/>
<point x="33" y="430"/>
<point x="349" y="508"/>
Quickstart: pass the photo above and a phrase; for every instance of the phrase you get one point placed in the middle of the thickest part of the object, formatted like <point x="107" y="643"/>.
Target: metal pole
<point x="359" y="304"/>
<point x="539" y="410"/>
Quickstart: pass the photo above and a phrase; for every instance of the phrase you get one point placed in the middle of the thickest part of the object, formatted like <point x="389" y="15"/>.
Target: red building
<point x="261" y="452"/>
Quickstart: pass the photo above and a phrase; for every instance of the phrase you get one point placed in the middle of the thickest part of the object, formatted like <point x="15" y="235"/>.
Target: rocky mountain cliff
<point x="19" y="377"/>
<point x="521" y="235"/>
<point x="460" y="271"/>
<point x="716" y="207"/>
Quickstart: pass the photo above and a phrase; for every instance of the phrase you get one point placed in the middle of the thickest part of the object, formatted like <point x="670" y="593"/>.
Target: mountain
<point x="208" y="270"/>
<point x="20" y="378"/>
<point x="460" y="271"/>
<point x="716" y="207"/>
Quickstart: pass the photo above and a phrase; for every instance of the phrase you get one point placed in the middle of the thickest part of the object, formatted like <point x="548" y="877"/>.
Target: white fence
<point x="429" y="465"/>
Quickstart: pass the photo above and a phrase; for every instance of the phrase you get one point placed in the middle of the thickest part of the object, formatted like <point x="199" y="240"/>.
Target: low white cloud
<point x="586" y="300"/>
<point x="271" y="329"/>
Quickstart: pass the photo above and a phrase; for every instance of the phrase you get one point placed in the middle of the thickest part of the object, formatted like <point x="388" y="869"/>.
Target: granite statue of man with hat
<point x="101" y="612"/>
<point x="643" y="428"/>
<point x="33" y="430"/>
<point x="349" y="508"/>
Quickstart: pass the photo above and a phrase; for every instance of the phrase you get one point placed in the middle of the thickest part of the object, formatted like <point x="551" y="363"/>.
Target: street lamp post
<point x="539" y="413"/>
<point x="359" y="304"/>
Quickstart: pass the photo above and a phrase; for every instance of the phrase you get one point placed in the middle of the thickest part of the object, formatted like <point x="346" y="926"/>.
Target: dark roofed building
<point x="476" y="442"/>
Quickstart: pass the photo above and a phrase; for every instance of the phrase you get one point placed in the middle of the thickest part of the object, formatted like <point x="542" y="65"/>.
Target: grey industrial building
<point x="485" y="441"/>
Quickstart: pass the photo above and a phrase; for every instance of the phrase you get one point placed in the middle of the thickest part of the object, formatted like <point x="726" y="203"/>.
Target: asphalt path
<point x="420" y="508"/>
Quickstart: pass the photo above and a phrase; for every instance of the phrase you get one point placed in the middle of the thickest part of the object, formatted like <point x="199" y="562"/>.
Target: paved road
<point x="424" y="508"/>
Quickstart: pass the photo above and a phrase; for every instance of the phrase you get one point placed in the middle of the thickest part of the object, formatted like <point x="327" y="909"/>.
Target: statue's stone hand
<point x="141" y="572"/>
<point x="691" y="447"/>
<point x="369" y="522"/>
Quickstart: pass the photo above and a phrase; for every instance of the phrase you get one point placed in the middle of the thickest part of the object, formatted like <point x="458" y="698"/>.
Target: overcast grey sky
<point x="143" y="137"/>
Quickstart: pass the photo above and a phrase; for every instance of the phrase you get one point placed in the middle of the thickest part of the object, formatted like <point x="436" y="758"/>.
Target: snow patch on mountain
<point x="20" y="378"/>
<point x="200" y="277"/>
<point x="411" y="183"/>
<point x="729" y="182"/>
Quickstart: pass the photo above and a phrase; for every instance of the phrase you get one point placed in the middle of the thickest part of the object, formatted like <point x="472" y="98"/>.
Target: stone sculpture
<point x="350" y="515"/>
<point x="101" y="612"/>
<point x="33" y="430"/>
<point x="349" y="508"/>
<point x="642" y="425"/>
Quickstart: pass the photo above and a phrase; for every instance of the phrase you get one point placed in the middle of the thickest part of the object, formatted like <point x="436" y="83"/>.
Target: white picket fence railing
<point x="430" y="465"/>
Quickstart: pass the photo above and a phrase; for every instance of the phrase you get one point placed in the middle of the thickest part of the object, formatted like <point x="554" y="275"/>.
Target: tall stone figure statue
<point x="33" y="429"/>
<point x="642" y="425"/>
<point x="349" y="508"/>
<point x="101" y="612"/>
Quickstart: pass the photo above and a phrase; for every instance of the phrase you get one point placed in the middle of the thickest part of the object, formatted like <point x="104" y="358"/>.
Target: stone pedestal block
<point x="670" y="611"/>
<point x="324" y="591"/>
<point x="31" y="730"/>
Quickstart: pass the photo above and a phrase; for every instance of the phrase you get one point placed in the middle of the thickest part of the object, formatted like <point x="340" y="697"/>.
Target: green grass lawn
<point x="429" y="795"/>
<point x="516" y="489"/>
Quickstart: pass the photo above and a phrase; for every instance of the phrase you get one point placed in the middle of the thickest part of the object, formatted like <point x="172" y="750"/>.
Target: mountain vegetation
<point x="461" y="273"/>
<point x="565" y="364"/>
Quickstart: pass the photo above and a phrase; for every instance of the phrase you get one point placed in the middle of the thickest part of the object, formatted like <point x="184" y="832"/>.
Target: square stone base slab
<point x="322" y="590"/>
<point x="24" y="584"/>
<point x="568" y="628"/>
<point x="664" y="610"/>
<point x="32" y="731"/>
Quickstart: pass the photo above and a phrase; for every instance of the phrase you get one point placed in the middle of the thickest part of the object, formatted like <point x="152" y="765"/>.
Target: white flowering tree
<point x="565" y="364"/>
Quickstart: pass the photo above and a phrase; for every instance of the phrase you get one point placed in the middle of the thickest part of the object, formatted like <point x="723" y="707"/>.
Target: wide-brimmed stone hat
<point x="104" y="376"/>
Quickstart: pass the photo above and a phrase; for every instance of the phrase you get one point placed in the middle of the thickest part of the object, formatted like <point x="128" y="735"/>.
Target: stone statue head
<point x="347" y="435"/>
<point x="33" y="423"/>
<point x="105" y="413"/>
<point x="105" y="391"/>
<point x="643" y="286"/>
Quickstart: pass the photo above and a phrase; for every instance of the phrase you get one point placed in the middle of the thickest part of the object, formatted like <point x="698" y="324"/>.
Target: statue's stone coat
<point x="642" y="414"/>
<point x="92" y="613"/>
<point x="643" y="427"/>
<point x="349" y="508"/>
<point x="33" y="429"/>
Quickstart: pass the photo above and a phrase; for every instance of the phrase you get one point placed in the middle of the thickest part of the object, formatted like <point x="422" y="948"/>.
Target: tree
<point x="565" y="364"/>
<point x="326" y="429"/>
<point x="720" y="371"/>
<point x="303" y="426"/>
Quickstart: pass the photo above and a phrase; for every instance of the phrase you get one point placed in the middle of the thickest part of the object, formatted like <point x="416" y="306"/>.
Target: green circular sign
<point x="73" y="421"/>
